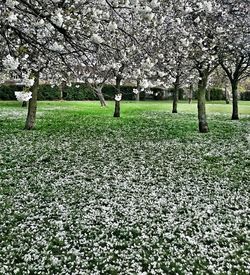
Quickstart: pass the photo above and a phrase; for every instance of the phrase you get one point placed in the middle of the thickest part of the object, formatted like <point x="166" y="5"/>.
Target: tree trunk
<point x="100" y="96"/>
<point x="227" y="96"/>
<point x="137" y="97"/>
<point x="235" y="114"/>
<point x="24" y="104"/>
<point x="176" y="94"/>
<point x="138" y="87"/>
<point x="61" y="87"/>
<point x="117" y="112"/>
<point x="203" y="126"/>
<point x="190" y="94"/>
<point x="175" y="100"/>
<point x="32" y="107"/>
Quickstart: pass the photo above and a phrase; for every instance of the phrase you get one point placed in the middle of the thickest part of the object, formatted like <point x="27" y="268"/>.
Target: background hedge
<point x="245" y="95"/>
<point x="215" y="94"/>
<point x="7" y="92"/>
<point x="181" y="93"/>
<point x="74" y="92"/>
<point x="84" y="92"/>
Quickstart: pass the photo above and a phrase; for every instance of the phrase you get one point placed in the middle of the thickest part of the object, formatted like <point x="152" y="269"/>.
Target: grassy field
<point x="86" y="193"/>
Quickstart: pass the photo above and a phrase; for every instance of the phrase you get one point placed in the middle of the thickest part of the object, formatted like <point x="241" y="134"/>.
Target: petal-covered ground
<point x="86" y="193"/>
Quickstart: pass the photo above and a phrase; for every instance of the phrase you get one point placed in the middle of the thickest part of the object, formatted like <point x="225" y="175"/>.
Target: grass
<point x="85" y="193"/>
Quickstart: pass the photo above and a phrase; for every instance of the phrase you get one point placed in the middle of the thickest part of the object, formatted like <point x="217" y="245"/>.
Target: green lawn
<point x="86" y="193"/>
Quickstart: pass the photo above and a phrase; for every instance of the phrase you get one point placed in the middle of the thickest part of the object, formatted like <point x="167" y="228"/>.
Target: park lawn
<point x="86" y="193"/>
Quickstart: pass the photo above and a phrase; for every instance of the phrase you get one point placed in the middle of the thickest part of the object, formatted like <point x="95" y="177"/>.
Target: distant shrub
<point x="245" y="95"/>
<point x="181" y="93"/>
<point x="127" y="92"/>
<point x="215" y="94"/>
<point x="7" y="92"/>
<point x="78" y="92"/>
<point x="46" y="92"/>
<point x="74" y="92"/>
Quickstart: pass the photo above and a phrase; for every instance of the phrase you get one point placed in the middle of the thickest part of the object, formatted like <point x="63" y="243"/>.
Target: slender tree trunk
<point x="203" y="126"/>
<point x="175" y="100"/>
<point x="235" y="114"/>
<point x="117" y="112"/>
<point x="61" y="91"/>
<point x="100" y="96"/>
<point x="24" y="104"/>
<point x="176" y="94"/>
<point x="190" y="95"/>
<point x="227" y="96"/>
<point x="32" y="107"/>
<point x="138" y="87"/>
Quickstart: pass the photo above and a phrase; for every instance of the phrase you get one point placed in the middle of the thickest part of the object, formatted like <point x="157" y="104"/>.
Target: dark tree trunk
<point x="117" y="112"/>
<point x="227" y="96"/>
<point x="138" y="87"/>
<point x="240" y="69"/>
<point x="100" y="96"/>
<point x="190" y="94"/>
<point x="32" y="107"/>
<point x="24" y="104"/>
<point x="235" y="114"/>
<point x="175" y="100"/>
<point x="176" y="94"/>
<point x="203" y="126"/>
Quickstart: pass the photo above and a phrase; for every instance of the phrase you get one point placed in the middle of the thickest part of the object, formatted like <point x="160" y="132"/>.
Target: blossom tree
<point x="60" y="29"/>
<point x="234" y="45"/>
<point x="107" y="41"/>
<point x="198" y="18"/>
<point x="174" y="66"/>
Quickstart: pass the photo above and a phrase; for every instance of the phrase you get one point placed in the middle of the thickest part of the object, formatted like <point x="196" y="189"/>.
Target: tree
<point x="233" y="45"/>
<point x="59" y="32"/>
<point x="197" y="21"/>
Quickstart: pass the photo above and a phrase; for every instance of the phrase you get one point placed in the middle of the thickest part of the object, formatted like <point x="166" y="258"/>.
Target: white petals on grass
<point x="142" y="195"/>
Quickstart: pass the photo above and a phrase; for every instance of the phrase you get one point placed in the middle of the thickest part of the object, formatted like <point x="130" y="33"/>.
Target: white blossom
<point x="57" y="18"/>
<point x="118" y="97"/>
<point x="145" y="83"/>
<point x="96" y="38"/>
<point x="11" y="3"/>
<point x="112" y="26"/>
<point x="135" y="91"/>
<point x="10" y="63"/>
<point x="23" y="96"/>
<point x="57" y="47"/>
<point x="28" y="82"/>
<point x="12" y="17"/>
